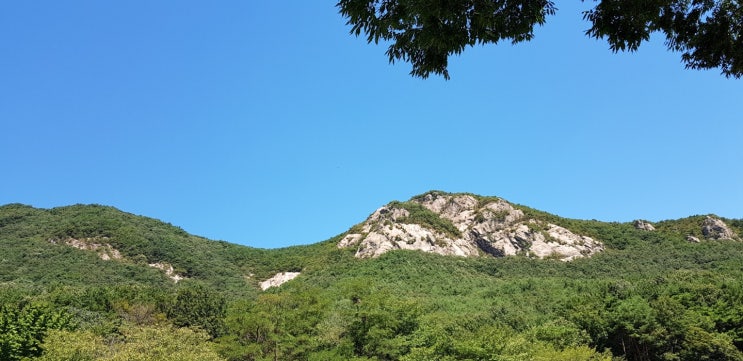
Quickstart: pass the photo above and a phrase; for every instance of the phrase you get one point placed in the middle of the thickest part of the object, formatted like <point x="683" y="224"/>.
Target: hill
<point x="100" y="245"/>
<point x="670" y="290"/>
<point x="464" y="225"/>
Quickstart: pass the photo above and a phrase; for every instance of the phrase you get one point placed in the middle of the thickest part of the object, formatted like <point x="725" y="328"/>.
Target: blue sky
<point x="267" y="124"/>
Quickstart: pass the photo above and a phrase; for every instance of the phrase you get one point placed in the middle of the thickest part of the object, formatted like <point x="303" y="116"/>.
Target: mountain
<point x="464" y="225"/>
<point x="94" y="244"/>
<point x="438" y="277"/>
<point x="97" y="245"/>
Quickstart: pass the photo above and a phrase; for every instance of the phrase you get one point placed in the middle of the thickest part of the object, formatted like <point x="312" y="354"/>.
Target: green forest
<point x="650" y="295"/>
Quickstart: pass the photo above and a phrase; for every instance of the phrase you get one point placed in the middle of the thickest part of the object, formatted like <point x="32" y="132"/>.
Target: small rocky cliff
<point x="464" y="225"/>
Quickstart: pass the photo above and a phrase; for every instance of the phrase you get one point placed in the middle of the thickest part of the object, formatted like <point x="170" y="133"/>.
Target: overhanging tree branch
<point x="426" y="32"/>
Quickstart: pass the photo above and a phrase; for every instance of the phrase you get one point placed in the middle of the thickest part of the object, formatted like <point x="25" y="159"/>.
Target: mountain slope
<point x="93" y="244"/>
<point x="651" y="293"/>
<point x="464" y="225"/>
<point x="470" y="225"/>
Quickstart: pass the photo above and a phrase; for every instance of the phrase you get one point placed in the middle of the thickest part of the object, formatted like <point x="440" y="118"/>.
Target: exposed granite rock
<point x="643" y="225"/>
<point x="169" y="271"/>
<point x="105" y="251"/>
<point x="714" y="228"/>
<point x="278" y="279"/>
<point x="692" y="239"/>
<point x="492" y="227"/>
<point x="382" y="232"/>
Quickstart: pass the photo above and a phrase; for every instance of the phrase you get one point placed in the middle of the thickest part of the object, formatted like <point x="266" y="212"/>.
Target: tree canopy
<point x="650" y="295"/>
<point x="707" y="33"/>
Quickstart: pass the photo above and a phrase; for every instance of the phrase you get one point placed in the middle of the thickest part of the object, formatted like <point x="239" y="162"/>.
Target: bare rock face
<point x="714" y="228"/>
<point x="169" y="271"/>
<point x="643" y="225"/>
<point x="105" y="251"/>
<point x="491" y="227"/>
<point x="383" y="232"/>
<point x="278" y="279"/>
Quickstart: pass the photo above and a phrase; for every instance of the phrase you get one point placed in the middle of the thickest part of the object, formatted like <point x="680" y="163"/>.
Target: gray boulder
<point x="715" y="228"/>
<point x="643" y="225"/>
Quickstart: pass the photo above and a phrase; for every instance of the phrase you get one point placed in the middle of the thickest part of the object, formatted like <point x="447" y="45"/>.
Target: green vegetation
<point x="427" y="33"/>
<point x="22" y="329"/>
<point x="649" y="296"/>
<point x="425" y="217"/>
<point x="144" y="343"/>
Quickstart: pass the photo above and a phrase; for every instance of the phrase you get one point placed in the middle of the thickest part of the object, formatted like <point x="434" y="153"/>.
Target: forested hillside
<point x="90" y="283"/>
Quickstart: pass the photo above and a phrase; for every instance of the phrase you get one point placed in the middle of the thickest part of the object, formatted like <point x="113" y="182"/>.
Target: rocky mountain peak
<point x="463" y="225"/>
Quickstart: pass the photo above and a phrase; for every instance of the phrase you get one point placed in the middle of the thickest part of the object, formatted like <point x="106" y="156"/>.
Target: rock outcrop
<point x="643" y="225"/>
<point x="715" y="229"/>
<point x="278" y="279"/>
<point x="463" y="225"/>
<point x="169" y="271"/>
<point x="105" y="251"/>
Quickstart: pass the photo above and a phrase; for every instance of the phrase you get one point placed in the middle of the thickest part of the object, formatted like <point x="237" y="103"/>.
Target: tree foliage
<point x="150" y="343"/>
<point x="648" y="296"/>
<point x="23" y="328"/>
<point x="197" y="306"/>
<point x="708" y="33"/>
<point x="426" y="33"/>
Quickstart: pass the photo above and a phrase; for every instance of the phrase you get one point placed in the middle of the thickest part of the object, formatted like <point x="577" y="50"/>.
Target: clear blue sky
<point x="267" y="124"/>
